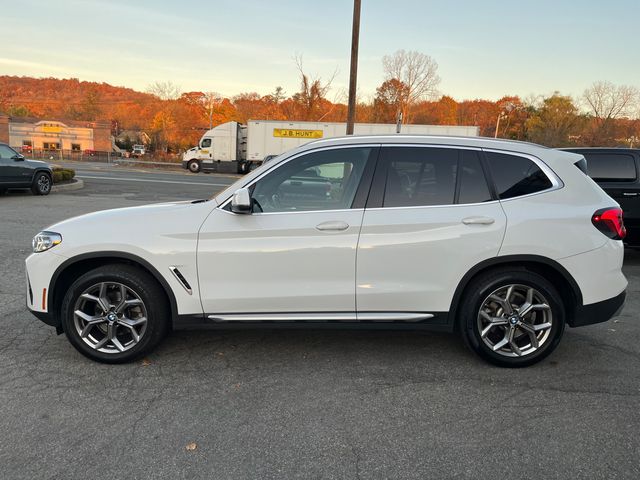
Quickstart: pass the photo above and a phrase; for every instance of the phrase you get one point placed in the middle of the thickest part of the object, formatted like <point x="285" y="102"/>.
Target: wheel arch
<point x="550" y="269"/>
<point x="69" y="270"/>
<point x="42" y="170"/>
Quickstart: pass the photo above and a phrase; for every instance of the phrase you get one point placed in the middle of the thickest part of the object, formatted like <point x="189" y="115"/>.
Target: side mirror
<point x="18" y="157"/>
<point x="241" y="201"/>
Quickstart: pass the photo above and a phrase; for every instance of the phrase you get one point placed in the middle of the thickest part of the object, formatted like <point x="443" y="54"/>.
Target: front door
<point x="295" y="256"/>
<point x="430" y="217"/>
<point x="12" y="171"/>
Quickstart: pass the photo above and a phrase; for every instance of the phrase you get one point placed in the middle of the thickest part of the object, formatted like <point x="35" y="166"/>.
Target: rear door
<point x="616" y="171"/>
<point x="430" y="217"/>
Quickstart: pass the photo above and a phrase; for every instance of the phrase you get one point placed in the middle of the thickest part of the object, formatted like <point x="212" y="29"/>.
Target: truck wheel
<point x="41" y="184"/>
<point x="193" y="166"/>
<point x="243" y="167"/>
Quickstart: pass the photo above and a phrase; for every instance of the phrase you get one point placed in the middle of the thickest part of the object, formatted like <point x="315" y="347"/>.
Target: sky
<point x="484" y="49"/>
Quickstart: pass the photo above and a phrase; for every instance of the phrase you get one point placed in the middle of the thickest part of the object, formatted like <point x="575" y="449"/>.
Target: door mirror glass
<point x="241" y="201"/>
<point x="18" y="157"/>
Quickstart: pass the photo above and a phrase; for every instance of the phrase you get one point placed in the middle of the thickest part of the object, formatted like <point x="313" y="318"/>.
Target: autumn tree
<point x="163" y="123"/>
<point x="607" y="102"/>
<point x="311" y="98"/>
<point x="555" y="122"/>
<point x="390" y="98"/>
<point x="417" y="71"/>
<point x="513" y="117"/>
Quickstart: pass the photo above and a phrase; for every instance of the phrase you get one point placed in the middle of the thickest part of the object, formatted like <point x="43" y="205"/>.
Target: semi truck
<point x="236" y="148"/>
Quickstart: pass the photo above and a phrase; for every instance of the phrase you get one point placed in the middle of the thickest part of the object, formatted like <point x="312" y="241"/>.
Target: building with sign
<point x="52" y="135"/>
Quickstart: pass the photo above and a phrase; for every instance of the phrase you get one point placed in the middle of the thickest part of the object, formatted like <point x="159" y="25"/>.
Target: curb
<point x="75" y="184"/>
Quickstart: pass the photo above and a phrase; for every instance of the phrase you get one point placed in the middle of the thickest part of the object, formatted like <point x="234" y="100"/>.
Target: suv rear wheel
<point x="511" y="317"/>
<point x="115" y="313"/>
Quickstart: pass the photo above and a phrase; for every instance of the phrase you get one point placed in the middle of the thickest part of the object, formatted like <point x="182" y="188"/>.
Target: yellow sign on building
<point x="291" y="133"/>
<point x="51" y="128"/>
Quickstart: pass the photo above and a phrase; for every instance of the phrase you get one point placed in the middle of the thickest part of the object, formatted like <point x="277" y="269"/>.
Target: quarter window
<point x="611" y="167"/>
<point x="514" y="175"/>
<point x="325" y="180"/>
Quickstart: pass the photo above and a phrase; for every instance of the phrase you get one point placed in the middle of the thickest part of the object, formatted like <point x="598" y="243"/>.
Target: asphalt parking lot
<point x="300" y="404"/>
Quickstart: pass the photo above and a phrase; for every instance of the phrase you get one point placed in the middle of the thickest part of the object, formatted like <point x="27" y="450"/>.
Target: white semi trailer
<point x="233" y="147"/>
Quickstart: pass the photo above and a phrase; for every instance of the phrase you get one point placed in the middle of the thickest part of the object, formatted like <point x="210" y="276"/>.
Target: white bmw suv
<point x="505" y="243"/>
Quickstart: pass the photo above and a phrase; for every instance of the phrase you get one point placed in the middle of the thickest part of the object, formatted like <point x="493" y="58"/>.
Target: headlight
<point x="45" y="240"/>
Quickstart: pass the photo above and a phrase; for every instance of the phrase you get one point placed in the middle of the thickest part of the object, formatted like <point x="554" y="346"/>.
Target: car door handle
<point x="478" y="221"/>
<point x="333" y="226"/>
<point x="630" y="194"/>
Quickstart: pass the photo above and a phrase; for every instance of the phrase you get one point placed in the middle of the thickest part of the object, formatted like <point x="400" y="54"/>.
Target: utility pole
<point x="353" y="76"/>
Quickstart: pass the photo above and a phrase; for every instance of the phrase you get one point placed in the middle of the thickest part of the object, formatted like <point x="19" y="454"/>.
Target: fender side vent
<point x="181" y="279"/>
<point x="30" y="291"/>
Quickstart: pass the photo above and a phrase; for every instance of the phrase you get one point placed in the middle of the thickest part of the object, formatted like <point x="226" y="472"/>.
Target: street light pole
<point x="353" y="76"/>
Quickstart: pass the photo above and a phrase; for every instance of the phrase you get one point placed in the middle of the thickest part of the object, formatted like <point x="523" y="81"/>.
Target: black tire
<point x="41" y="184"/>
<point x="145" y="287"/>
<point x="193" y="166"/>
<point x="478" y="291"/>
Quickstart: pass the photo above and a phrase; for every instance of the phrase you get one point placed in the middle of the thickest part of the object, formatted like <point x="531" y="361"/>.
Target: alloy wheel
<point x="515" y="320"/>
<point x="110" y="317"/>
<point x="44" y="184"/>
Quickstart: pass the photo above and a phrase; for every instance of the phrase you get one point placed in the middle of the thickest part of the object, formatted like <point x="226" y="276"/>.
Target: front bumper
<point x="598" y="312"/>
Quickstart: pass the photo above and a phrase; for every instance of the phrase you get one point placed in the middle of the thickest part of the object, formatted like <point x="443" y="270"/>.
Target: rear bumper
<point x="598" y="312"/>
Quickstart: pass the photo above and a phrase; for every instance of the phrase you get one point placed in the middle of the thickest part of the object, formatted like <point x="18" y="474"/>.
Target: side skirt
<point x="436" y="321"/>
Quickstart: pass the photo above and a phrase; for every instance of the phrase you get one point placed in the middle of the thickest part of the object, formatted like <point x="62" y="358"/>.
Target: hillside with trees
<point x="605" y="114"/>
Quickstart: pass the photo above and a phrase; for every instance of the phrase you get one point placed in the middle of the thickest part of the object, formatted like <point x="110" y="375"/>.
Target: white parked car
<point x="503" y="242"/>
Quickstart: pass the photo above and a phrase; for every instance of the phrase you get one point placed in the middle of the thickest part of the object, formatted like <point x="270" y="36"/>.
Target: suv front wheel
<point x="115" y="313"/>
<point x="511" y="317"/>
<point x="41" y="184"/>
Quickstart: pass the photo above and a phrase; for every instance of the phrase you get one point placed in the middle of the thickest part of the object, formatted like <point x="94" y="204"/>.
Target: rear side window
<point x="611" y="167"/>
<point x="420" y="176"/>
<point x="473" y="186"/>
<point x="515" y="176"/>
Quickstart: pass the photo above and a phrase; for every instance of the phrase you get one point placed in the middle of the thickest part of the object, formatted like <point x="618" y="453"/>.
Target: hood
<point x="164" y="226"/>
<point x="145" y="218"/>
<point x="36" y="163"/>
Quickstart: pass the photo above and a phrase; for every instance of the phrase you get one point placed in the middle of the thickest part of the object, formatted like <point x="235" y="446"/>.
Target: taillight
<point x="610" y="222"/>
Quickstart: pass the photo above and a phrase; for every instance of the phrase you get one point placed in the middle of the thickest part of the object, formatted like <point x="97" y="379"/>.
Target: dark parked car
<point x="616" y="171"/>
<point x="18" y="172"/>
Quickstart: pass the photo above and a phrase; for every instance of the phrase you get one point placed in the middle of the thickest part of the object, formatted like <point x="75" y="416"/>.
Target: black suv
<point x="17" y="172"/>
<point x="616" y="171"/>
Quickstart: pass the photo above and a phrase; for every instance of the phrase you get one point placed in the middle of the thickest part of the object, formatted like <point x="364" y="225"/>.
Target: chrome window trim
<point x="556" y="182"/>
<point x="295" y="212"/>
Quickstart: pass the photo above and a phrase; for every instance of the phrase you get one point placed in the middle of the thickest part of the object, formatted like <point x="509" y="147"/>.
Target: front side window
<point x="607" y="167"/>
<point x="515" y="176"/>
<point x="206" y="143"/>
<point x="7" y="152"/>
<point x="325" y="180"/>
<point x="420" y="176"/>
